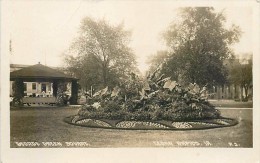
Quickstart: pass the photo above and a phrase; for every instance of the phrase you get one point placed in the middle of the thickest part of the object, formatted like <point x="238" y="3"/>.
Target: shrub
<point x="157" y="114"/>
<point x="111" y="106"/>
<point x="158" y="99"/>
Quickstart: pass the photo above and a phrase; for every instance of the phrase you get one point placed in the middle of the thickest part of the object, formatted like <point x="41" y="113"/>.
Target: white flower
<point x="96" y="105"/>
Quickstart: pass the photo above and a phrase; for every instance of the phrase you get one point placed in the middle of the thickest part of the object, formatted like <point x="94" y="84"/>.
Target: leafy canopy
<point x="241" y="74"/>
<point x="197" y="46"/>
<point x="100" y="55"/>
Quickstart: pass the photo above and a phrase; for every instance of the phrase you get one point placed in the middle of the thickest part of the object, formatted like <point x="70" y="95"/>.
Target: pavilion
<point x="41" y="73"/>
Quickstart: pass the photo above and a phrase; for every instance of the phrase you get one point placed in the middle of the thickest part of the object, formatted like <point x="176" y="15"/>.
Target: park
<point x="30" y="124"/>
<point x="196" y="92"/>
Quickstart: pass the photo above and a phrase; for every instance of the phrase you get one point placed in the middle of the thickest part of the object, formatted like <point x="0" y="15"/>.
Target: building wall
<point x="29" y="91"/>
<point x="37" y="91"/>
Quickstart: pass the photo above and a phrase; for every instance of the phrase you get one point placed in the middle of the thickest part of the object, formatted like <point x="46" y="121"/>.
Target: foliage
<point x="61" y="96"/>
<point x="157" y="98"/>
<point x="157" y="59"/>
<point x="100" y="55"/>
<point x="241" y="74"/>
<point x="197" y="46"/>
<point x="18" y="89"/>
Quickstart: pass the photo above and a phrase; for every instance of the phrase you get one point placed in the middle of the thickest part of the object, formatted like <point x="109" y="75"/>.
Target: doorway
<point x="44" y="87"/>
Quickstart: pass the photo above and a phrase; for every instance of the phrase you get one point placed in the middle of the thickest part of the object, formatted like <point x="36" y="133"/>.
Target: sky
<point x="42" y="30"/>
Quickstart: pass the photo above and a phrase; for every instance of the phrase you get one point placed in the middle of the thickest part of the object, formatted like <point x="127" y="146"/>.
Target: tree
<point x="241" y="74"/>
<point x="100" y="55"/>
<point x="157" y="59"/>
<point x="198" y="44"/>
<point x="18" y="92"/>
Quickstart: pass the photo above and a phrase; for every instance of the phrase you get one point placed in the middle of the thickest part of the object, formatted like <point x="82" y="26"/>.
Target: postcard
<point x="130" y="81"/>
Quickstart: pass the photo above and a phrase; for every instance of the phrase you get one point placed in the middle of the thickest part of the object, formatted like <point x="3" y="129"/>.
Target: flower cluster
<point x="83" y="121"/>
<point x="126" y="124"/>
<point x="75" y="119"/>
<point x="203" y="123"/>
<point x="132" y="124"/>
<point x="98" y="122"/>
<point x="102" y="123"/>
<point x="222" y="121"/>
<point x="181" y="125"/>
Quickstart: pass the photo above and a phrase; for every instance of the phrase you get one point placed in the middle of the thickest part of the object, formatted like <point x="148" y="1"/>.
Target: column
<point x="55" y="88"/>
<point x="74" y="92"/>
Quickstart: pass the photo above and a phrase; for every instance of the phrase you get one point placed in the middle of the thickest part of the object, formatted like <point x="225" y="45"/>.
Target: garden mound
<point x="151" y="125"/>
<point x="156" y="102"/>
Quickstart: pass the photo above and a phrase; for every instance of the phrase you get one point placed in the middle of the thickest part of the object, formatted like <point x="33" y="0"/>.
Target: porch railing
<point x="46" y="100"/>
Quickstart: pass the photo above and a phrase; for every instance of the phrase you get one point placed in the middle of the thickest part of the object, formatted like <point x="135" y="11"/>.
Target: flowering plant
<point x="157" y="97"/>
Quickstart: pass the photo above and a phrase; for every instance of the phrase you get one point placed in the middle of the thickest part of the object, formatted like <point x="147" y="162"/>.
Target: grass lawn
<point x="45" y="124"/>
<point x="231" y="103"/>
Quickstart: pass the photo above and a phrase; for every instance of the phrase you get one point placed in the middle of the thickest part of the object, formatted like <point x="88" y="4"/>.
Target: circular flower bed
<point x="144" y="125"/>
<point x="153" y="103"/>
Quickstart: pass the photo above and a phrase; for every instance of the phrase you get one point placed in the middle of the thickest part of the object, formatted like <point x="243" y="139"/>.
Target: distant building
<point x="231" y="90"/>
<point x="34" y="88"/>
<point x="42" y="84"/>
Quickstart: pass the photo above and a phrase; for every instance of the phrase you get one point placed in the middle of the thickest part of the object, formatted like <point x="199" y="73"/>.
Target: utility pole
<point x="11" y="48"/>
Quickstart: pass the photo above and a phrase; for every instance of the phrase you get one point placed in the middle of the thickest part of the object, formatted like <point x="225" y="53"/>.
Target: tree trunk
<point x="104" y="71"/>
<point x="241" y="93"/>
<point x="246" y="91"/>
<point x="55" y="88"/>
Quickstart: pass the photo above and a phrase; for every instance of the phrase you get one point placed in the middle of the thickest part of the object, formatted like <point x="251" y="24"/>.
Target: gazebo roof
<point x="39" y="72"/>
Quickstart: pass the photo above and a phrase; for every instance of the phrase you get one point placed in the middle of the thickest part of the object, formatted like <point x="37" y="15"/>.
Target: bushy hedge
<point x="158" y="114"/>
<point x="156" y="98"/>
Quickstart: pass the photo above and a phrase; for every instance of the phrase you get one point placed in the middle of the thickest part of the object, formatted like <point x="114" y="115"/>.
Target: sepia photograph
<point x="88" y="77"/>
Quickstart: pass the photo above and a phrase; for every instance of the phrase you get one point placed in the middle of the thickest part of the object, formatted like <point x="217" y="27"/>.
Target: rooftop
<point x="39" y="72"/>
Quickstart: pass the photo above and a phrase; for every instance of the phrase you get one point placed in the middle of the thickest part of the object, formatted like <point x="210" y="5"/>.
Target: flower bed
<point x="156" y="125"/>
<point x="154" y="103"/>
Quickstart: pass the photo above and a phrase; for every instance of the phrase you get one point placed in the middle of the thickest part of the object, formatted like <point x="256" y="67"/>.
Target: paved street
<point x="45" y="124"/>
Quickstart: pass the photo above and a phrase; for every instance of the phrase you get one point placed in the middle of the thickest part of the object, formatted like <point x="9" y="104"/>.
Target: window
<point x="33" y="86"/>
<point x="25" y="86"/>
<point x="44" y="88"/>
